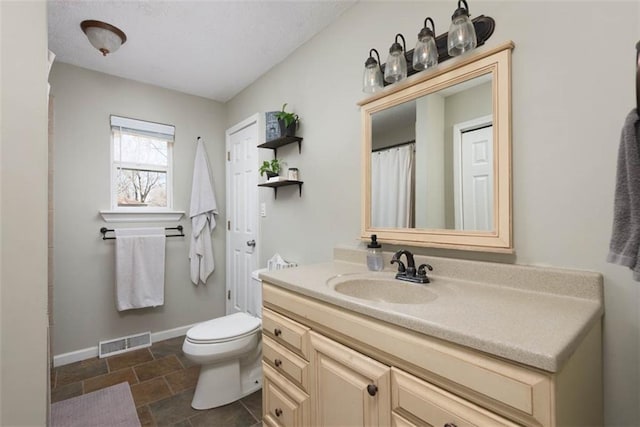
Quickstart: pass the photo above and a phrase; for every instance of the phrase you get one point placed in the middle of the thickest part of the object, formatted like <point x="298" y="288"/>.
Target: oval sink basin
<point x="381" y="289"/>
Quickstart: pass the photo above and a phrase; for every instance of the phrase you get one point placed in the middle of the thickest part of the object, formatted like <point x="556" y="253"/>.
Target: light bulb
<point x="372" y="78"/>
<point x="396" y="66"/>
<point x="462" y="34"/>
<point x="425" y="54"/>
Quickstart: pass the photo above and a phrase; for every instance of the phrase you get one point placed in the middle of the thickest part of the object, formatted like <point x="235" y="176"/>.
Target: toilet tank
<point x="255" y="294"/>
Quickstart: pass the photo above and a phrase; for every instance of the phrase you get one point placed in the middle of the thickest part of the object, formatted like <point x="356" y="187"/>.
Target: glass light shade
<point x="425" y="54"/>
<point x="396" y="67"/>
<point x="462" y="35"/>
<point x="103" y="40"/>
<point x="104" y="37"/>
<point x="372" y="81"/>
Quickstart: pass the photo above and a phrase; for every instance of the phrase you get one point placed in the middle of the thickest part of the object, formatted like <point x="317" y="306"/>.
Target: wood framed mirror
<point x="436" y="153"/>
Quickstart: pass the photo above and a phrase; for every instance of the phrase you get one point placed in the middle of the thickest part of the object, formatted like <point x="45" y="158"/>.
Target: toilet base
<point x="218" y="384"/>
<point x="221" y="383"/>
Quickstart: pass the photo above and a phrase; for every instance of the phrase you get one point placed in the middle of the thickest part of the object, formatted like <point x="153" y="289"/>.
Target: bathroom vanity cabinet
<point x="325" y="365"/>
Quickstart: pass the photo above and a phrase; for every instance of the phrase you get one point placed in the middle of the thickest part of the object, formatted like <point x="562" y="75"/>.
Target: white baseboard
<point x="75" y="356"/>
<point x="170" y="333"/>
<point x="91" y="352"/>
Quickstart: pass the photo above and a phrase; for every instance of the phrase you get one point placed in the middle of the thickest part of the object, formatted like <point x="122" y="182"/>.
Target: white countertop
<point x="530" y="322"/>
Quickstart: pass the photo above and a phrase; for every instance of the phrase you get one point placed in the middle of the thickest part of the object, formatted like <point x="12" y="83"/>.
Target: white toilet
<point x="229" y="349"/>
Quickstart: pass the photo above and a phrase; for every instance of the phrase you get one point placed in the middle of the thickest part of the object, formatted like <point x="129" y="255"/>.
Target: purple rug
<point x="110" y="407"/>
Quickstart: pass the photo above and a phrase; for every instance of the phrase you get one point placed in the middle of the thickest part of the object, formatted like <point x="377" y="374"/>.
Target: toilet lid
<point x="224" y="328"/>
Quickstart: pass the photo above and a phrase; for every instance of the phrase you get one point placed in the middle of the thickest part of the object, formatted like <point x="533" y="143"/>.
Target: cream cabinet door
<point x="347" y="387"/>
<point x="283" y="404"/>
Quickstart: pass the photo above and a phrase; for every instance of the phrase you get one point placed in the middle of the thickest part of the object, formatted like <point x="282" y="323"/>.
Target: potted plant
<point x="288" y="122"/>
<point x="271" y="168"/>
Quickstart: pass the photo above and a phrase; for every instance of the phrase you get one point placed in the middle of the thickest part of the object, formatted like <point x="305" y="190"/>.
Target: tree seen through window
<point x="141" y="167"/>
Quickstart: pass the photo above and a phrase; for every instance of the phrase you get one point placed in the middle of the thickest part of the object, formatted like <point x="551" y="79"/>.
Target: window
<point x="141" y="155"/>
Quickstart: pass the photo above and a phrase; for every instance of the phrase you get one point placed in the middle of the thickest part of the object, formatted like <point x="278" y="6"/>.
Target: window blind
<point x="156" y="130"/>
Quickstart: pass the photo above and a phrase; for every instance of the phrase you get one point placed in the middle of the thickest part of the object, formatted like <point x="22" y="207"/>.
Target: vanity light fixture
<point x="104" y="37"/>
<point x="462" y="34"/>
<point x="425" y="54"/>
<point x="396" y="68"/>
<point x="372" y="81"/>
<point x="467" y="35"/>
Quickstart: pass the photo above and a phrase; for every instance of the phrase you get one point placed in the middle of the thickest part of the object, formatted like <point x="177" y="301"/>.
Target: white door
<point x="473" y="175"/>
<point x="477" y="179"/>
<point x="242" y="212"/>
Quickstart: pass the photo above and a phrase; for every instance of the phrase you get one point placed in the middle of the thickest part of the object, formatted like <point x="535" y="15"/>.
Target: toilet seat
<point x="223" y="329"/>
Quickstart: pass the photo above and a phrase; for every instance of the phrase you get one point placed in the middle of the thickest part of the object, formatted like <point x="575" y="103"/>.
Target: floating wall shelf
<point x="277" y="184"/>
<point x="274" y="144"/>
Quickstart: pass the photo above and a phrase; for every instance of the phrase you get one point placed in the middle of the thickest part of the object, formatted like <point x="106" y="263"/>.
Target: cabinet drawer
<point x="420" y="402"/>
<point x="284" y="361"/>
<point x="400" y="421"/>
<point x="283" y="404"/>
<point x="286" y="331"/>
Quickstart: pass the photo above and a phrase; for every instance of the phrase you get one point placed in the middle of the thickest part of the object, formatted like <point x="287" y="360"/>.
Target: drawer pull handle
<point x="450" y="425"/>
<point x="277" y="362"/>
<point x="277" y="332"/>
<point x="278" y="412"/>
<point x="372" y="389"/>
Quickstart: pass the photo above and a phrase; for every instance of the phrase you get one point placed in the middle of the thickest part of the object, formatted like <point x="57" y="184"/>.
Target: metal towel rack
<point x="105" y="230"/>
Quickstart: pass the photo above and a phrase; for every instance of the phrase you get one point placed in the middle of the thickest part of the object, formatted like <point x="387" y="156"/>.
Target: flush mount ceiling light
<point x="104" y="37"/>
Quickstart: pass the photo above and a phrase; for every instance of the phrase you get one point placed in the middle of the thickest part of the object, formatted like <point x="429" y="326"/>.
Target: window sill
<point x="138" y="216"/>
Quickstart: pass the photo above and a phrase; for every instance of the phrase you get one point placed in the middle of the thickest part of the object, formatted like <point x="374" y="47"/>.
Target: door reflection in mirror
<point x="473" y="174"/>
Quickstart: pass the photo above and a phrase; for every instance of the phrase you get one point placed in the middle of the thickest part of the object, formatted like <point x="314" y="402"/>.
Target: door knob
<point x="251" y="243"/>
<point x="278" y="412"/>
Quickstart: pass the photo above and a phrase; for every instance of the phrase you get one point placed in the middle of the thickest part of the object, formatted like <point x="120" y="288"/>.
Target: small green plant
<point x="270" y="168"/>
<point x="287" y="118"/>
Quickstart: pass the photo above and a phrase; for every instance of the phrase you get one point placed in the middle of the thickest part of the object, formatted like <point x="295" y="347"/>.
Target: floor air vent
<point x="124" y="344"/>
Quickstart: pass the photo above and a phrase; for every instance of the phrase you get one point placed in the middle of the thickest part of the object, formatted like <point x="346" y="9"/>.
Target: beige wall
<point x="84" y="263"/>
<point x="568" y="106"/>
<point x="569" y="101"/>
<point x="23" y="214"/>
<point x="430" y="166"/>
<point x="394" y="135"/>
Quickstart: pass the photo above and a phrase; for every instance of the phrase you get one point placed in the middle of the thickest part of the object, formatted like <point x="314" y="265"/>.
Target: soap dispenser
<point x="374" y="254"/>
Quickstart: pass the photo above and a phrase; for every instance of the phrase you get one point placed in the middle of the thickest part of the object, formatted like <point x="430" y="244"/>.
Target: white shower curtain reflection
<point x="392" y="187"/>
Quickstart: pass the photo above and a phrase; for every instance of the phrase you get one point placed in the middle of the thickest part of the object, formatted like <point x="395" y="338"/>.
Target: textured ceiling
<point x="209" y="48"/>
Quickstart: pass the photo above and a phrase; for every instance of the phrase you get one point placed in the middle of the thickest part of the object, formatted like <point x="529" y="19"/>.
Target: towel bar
<point x="105" y="230"/>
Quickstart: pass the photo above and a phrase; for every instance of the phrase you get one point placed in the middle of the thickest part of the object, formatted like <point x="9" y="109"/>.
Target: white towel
<point x="202" y="211"/>
<point x="140" y="254"/>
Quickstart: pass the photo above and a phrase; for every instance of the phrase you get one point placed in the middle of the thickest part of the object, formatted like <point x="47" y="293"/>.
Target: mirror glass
<point x="432" y="160"/>
<point x="436" y="156"/>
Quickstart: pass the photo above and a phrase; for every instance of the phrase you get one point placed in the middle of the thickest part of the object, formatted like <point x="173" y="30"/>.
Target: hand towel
<point x="202" y="213"/>
<point x="625" y="237"/>
<point x="140" y="255"/>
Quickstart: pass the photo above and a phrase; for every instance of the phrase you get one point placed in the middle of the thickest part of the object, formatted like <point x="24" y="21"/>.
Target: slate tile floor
<point x="162" y="383"/>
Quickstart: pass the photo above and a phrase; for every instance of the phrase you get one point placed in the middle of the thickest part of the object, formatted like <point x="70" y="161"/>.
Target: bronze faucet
<point x="409" y="273"/>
